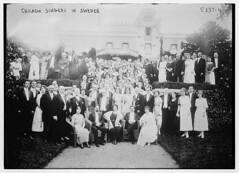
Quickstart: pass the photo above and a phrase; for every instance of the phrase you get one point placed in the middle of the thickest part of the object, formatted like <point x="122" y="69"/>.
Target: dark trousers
<point x="62" y="124"/>
<point x="27" y="121"/>
<point x="200" y="78"/>
<point x="115" y="133"/>
<point x="130" y="129"/>
<point x="193" y="110"/>
<point x="179" y="78"/>
<point x="164" y="127"/>
<point x="95" y="132"/>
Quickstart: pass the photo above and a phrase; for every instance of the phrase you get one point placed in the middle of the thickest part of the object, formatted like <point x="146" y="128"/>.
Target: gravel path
<point x="122" y="155"/>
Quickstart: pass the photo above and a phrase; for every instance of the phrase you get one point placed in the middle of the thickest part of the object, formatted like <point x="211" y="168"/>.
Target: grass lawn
<point x="26" y="153"/>
<point x="212" y="152"/>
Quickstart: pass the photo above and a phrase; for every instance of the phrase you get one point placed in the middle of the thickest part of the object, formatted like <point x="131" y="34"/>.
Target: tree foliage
<point x="211" y="38"/>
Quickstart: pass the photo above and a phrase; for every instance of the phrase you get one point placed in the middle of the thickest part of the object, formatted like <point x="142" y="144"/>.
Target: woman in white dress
<point x="78" y="123"/>
<point x="37" y="123"/>
<point x="210" y="75"/>
<point x="34" y="68"/>
<point x="184" y="113"/>
<point x="44" y="62"/>
<point x="127" y="101"/>
<point x="189" y="75"/>
<point x="201" y="121"/>
<point x="117" y="99"/>
<point x="162" y="70"/>
<point x="157" y="110"/>
<point x="148" y="132"/>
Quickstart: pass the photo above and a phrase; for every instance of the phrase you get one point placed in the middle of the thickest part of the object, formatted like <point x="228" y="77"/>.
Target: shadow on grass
<point x="212" y="152"/>
<point x="30" y="154"/>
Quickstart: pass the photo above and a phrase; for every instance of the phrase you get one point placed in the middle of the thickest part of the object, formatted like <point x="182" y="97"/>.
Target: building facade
<point x="140" y="36"/>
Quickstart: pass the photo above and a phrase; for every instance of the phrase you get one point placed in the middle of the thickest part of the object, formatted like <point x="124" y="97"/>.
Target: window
<point x="148" y="47"/>
<point x="125" y="45"/>
<point x="109" y="45"/>
<point x="148" y="31"/>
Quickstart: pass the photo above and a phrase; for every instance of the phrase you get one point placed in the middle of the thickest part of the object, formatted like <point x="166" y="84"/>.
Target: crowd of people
<point x="186" y="67"/>
<point x="110" y="93"/>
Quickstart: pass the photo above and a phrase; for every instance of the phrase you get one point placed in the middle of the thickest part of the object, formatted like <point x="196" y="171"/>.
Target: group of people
<point x="110" y="93"/>
<point x="186" y="67"/>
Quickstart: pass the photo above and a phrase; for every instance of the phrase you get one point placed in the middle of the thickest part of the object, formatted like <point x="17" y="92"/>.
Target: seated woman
<point x="78" y="123"/>
<point x="114" y="119"/>
<point x="148" y="132"/>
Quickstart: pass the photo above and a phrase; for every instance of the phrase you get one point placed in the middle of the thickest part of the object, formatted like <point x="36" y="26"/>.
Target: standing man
<point x="192" y="96"/>
<point x="59" y="105"/>
<point x="35" y="92"/>
<point x="148" y="98"/>
<point x="104" y="103"/>
<point x="26" y="103"/>
<point x="48" y="113"/>
<point x="165" y="112"/>
<point x="138" y="102"/>
<point x="217" y="64"/>
<point x="199" y="68"/>
<point x="178" y="69"/>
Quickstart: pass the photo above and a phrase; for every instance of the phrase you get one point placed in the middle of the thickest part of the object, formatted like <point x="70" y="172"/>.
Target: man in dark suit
<point x="78" y="100"/>
<point x="200" y="67"/>
<point x="217" y="64"/>
<point x="97" y="122"/>
<point x="165" y="111"/>
<point x="148" y="98"/>
<point x="104" y="102"/>
<point x="192" y="96"/>
<point x="59" y="106"/>
<point x="131" y="123"/>
<point x="48" y="113"/>
<point x="155" y="71"/>
<point x="138" y="102"/>
<point x="35" y="92"/>
<point x="178" y="69"/>
<point x="26" y="103"/>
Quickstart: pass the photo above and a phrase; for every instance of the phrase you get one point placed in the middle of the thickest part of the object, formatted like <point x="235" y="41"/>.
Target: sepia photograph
<point x="119" y="85"/>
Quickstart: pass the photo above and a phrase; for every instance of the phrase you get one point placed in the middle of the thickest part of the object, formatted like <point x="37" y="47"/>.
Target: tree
<point x="211" y="38"/>
<point x="226" y="10"/>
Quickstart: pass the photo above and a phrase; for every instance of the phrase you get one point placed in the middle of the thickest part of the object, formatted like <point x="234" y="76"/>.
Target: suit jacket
<point x="136" y="117"/>
<point x="139" y="103"/>
<point x="193" y="99"/>
<point x="93" y="120"/>
<point x="107" y="105"/>
<point x="162" y="97"/>
<point x="46" y="104"/>
<point x="150" y="102"/>
<point x="23" y="103"/>
<point x="179" y="66"/>
<point x="35" y="98"/>
<point x="58" y="106"/>
<point x="200" y="67"/>
<point x="81" y="102"/>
